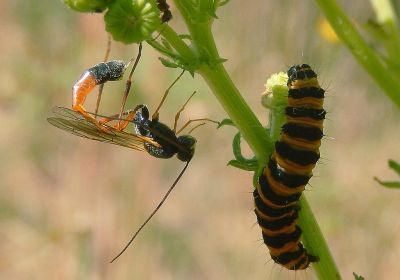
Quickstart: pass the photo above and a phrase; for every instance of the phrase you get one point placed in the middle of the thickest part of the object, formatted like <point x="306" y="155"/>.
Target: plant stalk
<point x="360" y="49"/>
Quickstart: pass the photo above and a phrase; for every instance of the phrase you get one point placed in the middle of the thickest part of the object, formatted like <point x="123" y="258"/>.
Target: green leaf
<point x="225" y="122"/>
<point x="166" y="44"/>
<point x="358" y="277"/>
<point x="394" y="165"/>
<point x="240" y="161"/>
<point x="88" y="6"/>
<point x="223" y="2"/>
<point x="176" y="64"/>
<point x="168" y="63"/>
<point x="388" y="184"/>
<point x="237" y="152"/>
<point x="185" y="36"/>
<point x="174" y="60"/>
<point x="132" y="21"/>
<point x="219" y="60"/>
<point x="163" y="49"/>
<point x="243" y="165"/>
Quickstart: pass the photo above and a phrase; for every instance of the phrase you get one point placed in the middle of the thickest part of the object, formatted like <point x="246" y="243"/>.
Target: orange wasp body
<point x="99" y="74"/>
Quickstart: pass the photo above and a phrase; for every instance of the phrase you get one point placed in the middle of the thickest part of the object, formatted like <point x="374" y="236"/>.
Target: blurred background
<point x="68" y="205"/>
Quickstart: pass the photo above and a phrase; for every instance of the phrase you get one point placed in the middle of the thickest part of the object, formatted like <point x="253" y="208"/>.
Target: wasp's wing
<point x="72" y="122"/>
<point x="66" y="113"/>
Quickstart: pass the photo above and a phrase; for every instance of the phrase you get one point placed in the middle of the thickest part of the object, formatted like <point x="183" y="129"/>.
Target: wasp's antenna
<point x="152" y="213"/>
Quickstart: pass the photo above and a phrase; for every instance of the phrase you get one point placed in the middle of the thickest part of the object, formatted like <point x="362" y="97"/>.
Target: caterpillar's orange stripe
<point x="286" y="229"/>
<point x="301" y="143"/>
<point x="271" y="219"/>
<point x="309" y="101"/>
<point x="287" y="248"/>
<point x="280" y="188"/>
<point x="293" y="168"/>
<point x="296" y="261"/>
<point x="304" y="83"/>
<point x="305" y="121"/>
<point x="271" y="204"/>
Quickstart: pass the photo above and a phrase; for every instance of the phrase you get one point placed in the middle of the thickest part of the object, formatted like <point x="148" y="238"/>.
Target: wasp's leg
<point x="181" y="110"/>
<point x="122" y="123"/>
<point x="155" y="115"/>
<point x="129" y="81"/>
<point x="101" y="87"/>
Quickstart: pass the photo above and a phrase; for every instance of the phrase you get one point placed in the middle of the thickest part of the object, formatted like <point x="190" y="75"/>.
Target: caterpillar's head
<point x="188" y="143"/>
<point x="300" y="72"/>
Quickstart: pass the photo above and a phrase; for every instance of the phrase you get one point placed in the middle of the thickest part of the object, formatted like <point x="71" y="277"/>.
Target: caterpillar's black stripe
<point x="302" y="131"/>
<point x="307" y="92"/>
<point x="298" y="254"/>
<point x="278" y="224"/>
<point x="298" y="156"/>
<point x="282" y="239"/>
<point x="290" y="168"/>
<point x="279" y="200"/>
<point x="287" y="257"/>
<point x="301" y="72"/>
<point x="296" y="112"/>
<point x="289" y="180"/>
<point x="269" y="211"/>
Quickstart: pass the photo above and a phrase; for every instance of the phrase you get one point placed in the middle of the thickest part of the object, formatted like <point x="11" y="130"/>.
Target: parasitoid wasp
<point x="151" y="135"/>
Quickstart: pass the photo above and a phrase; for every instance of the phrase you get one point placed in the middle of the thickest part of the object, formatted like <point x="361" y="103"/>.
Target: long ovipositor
<point x="290" y="168"/>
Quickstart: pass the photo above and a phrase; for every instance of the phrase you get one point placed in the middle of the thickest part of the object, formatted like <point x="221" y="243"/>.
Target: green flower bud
<point x="132" y="21"/>
<point x="93" y="6"/>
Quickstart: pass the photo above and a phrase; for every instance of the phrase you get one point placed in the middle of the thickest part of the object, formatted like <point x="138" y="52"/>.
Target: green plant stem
<point x="384" y="11"/>
<point x="315" y="243"/>
<point x="228" y="95"/>
<point x="386" y="16"/>
<point x="360" y="49"/>
<point x="177" y="43"/>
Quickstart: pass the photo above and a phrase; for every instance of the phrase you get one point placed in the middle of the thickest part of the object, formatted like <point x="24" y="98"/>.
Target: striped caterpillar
<point x="290" y="168"/>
